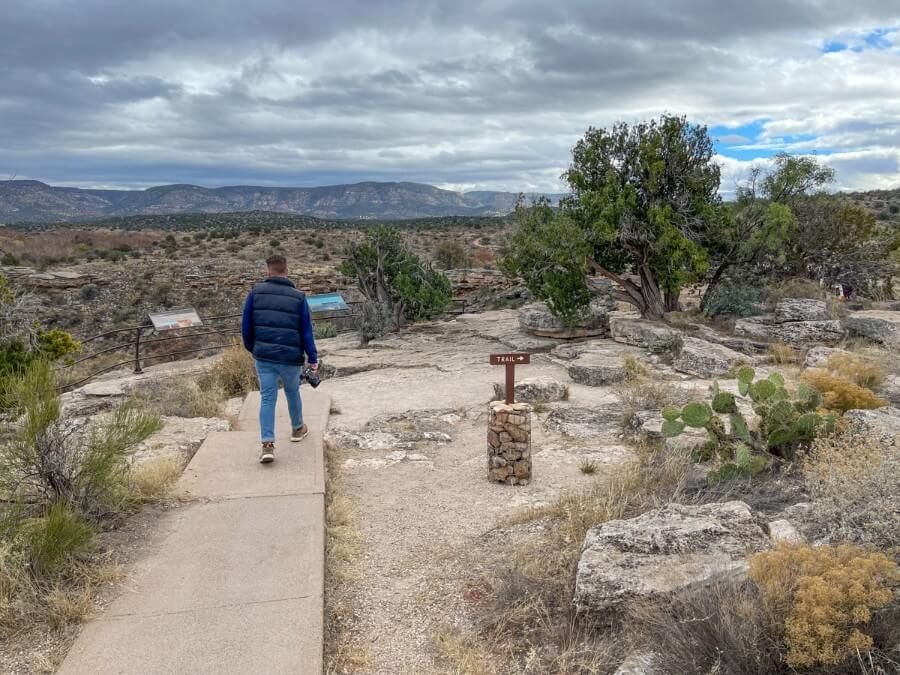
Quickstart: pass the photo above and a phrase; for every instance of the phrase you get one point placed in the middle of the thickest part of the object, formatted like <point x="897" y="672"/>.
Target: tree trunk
<point x="713" y="282"/>
<point x="654" y="306"/>
<point x="672" y="301"/>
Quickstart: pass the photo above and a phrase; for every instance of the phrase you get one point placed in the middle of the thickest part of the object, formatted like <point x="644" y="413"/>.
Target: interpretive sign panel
<point x="176" y="318"/>
<point x="329" y="302"/>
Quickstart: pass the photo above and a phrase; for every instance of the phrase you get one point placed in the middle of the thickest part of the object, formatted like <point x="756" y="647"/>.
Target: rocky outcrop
<point x="877" y="325"/>
<point x="652" y="336"/>
<point x="597" y="370"/>
<point x="817" y="357"/>
<point x="882" y="423"/>
<point x="800" y="309"/>
<point x="704" y="359"/>
<point x="795" y="333"/>
<point x="536" y="390"/>
<point x="664" y="551"/>
<point x="602" y="421"/>
<point x="890" y="389"/>
<point x="537" y="319"/>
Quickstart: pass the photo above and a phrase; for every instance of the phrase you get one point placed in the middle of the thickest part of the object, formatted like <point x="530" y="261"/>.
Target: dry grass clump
<point x="723" y="628"/>
<point x="634" y="369"/>
<point x="461" y="655"/>
<point x="533" y="610"/>
<point x="644" y="394"/>
<point x="839" y="394"/>
<point x="153" y="481"/>
<point x="855" y="483"/>
<point x="234" y="373"/>
<point x="861" y="371"/>
<point x="784" y="354"/>
<point x="179" y="398"/>
<point x="343" y="544"/>
<point x="825" y="598"/>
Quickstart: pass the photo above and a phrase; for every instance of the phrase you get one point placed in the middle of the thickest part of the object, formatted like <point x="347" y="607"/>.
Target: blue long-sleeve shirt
<point x="258" y="320"/>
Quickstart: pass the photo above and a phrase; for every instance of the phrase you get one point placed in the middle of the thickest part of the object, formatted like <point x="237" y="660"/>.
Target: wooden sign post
<point x="510" y="361"/>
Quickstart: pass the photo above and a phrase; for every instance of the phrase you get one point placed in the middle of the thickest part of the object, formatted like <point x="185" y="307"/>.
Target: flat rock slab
<point x="801" y="309"/>
<point x="664" y="551"/>
<point x="652" y="336"/>
<point x="235" y="588"/>
<point x="795" y="333"/>
<point x="706" y="359"/>
<point x="878" y="325"/>
<point x="535" y="390"/>
<point x="597" y="370"/>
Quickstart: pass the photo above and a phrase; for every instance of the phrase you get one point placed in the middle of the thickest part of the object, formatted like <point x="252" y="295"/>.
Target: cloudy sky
<point x="457" y="93"/>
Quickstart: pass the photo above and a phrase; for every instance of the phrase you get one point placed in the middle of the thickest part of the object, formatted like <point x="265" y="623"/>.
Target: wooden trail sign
<point x="510" y="361"/>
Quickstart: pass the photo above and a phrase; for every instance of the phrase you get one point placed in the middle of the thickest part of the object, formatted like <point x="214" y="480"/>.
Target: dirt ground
<point x="427" y="516"/>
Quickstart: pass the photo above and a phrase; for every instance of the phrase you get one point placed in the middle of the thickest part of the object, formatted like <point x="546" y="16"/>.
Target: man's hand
<point x="314" y="367"/>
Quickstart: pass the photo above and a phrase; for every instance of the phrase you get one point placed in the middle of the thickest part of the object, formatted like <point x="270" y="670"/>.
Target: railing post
<point x="137" y="351"/>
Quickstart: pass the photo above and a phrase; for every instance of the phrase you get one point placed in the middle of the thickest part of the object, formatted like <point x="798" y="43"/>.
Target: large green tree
<point x="642" y="196"/>
<point x="756" y="229"/>
<point x="394" y="278"/>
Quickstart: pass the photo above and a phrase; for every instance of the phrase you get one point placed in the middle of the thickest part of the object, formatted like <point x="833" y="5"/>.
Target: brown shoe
<point x="299" y="434"/>
<point x="268" y="453"/>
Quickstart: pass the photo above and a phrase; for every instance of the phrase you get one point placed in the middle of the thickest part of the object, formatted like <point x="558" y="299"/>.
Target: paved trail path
<point x="234" y="582"/>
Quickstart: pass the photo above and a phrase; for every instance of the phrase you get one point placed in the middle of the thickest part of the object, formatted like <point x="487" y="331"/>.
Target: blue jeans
<point x="269" y="373"/>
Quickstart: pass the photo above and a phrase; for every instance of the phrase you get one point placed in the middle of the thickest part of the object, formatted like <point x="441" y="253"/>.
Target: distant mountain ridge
<point x="34" y="201"/>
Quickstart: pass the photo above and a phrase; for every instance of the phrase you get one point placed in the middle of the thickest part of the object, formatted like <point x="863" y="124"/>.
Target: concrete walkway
<point x="236" y="584"/>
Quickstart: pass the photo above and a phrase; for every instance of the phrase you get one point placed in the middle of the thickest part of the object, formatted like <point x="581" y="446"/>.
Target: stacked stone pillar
<point x="509" y="443"/>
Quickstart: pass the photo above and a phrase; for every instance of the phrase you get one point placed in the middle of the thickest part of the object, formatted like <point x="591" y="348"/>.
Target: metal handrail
<point x="137" y="342"/>
<point x="140" y="340"/>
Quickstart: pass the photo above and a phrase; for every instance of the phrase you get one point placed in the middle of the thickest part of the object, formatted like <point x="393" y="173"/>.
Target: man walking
<point x="277" y="330"/>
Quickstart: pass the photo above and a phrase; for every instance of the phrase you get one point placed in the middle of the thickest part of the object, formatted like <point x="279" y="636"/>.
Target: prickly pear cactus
<point x="784" y="425"/>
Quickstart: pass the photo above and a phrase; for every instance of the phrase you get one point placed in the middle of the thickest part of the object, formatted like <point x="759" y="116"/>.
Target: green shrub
<point x="735" y="299"/>
<point x="88" y="292"/>
<point x="450" y="255"/>
<point x="52" y="539"/>
<point x="784" y="426"/>
<point x="274" y="243"/>
<point x="324" y="330"/>
<point x="47" y="457"/>
<point x="9" y="260"/>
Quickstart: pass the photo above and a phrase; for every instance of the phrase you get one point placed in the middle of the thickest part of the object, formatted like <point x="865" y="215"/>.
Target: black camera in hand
<point x="310" y="376"/>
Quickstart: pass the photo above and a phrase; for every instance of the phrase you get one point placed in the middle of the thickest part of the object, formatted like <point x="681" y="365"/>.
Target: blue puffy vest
<point x="279" y="315"/>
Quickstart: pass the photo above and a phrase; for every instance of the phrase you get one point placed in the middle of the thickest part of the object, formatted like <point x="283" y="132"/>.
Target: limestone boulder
<point x="597" y="369"/>
<point x="817" y="357"/>
<point x="665" y="551"/>
<point x="653" y="336"/>
<point x="878" y="325"/>
<point x="881" y="423"/>
<point x="795" y="333"/>
<point x="704" y="359"/>
<point x="537" y="319"/>
<point x="800" y="309"/>
<point x="602" y="421"/>
<point x="890" y="389"/>
<point x="536" y="390"/>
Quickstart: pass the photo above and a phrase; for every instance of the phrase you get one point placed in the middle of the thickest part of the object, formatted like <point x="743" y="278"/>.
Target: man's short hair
<point x="277" y="263"/>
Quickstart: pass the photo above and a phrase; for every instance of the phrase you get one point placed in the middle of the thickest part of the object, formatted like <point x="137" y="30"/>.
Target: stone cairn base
<point x="509" y="443"/>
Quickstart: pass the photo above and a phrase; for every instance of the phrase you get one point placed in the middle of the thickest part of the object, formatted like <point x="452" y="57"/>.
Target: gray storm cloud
<point x="464" y="94"/>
